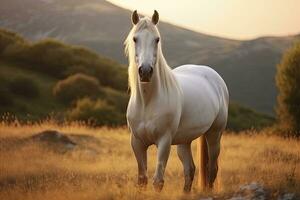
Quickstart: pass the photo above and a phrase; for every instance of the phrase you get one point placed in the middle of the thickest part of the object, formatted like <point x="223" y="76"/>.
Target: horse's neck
<point x="147" y="92"/>
<point x="159" y="87"/>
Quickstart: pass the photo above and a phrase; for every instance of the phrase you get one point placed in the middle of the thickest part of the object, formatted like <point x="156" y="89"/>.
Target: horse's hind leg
<point x="213" y="138"/>
<point x="213" y="154"/>
<point x="185" y="155"/>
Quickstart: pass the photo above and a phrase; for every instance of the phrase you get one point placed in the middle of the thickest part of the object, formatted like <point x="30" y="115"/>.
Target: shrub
<point x="111" y="74"/>
<point x="10" y="43"/>
<point x="95" y="112"/>
<point x="288" y="84"/>
<point x="48" y="56"/>
<point x="75" y="87"/>
<point x="25" y="87"/>
<point x="5" y="95"/>
<point x="55" y="58"/>
<point x="117" y="99"/>
<point x="61" y="60"/>
<point x="241" y="118"/>
<point x="5" y="98"/>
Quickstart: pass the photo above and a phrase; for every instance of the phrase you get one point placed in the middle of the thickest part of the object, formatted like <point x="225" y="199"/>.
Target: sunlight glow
<point x="236" y="19"/>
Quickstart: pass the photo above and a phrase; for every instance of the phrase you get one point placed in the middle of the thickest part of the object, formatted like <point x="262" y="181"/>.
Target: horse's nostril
<point x="140" y="70"/>
<point x="145" y="72"/>
<point x="151" y="70"/>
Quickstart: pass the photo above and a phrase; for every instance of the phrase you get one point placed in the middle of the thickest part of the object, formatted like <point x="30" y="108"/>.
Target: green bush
<point x="95" y="112"/>
<point x="53" y="57"/>
<point x="25" y="87"/>
<point x="288" y="84"/>
<point x="77" y="86"/>
<point x="11" y="43"/>
<point x="5" y="95"/>
<point x="48" y="56"/>
<point x="5" y="98"/>
<point x="241" y="118"/>
<point x="57" y="59"/>
<point x="117" y="99"/>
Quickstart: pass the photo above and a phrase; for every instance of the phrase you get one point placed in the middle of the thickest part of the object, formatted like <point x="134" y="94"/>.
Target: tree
<point x="288" y="83"/>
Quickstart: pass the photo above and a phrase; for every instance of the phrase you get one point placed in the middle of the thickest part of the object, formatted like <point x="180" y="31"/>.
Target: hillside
<point x="248" y="67"/>
<point x="51" y="79"/>
<point x="48" y="78"/>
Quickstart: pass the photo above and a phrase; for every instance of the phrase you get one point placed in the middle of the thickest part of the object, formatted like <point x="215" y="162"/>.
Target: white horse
<point x="172" y="107"/>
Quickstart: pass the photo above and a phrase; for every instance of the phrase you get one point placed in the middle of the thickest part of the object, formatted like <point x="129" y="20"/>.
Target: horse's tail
<point x="203" y="163"/>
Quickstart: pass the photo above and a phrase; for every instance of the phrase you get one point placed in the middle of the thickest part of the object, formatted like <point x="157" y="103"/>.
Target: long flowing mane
<point x="166" y="78"/>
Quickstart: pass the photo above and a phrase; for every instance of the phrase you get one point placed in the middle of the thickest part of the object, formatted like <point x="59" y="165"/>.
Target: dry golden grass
<point x="103" y="167"/>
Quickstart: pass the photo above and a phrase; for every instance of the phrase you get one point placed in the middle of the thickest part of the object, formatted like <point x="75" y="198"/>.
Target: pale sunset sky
<point x="236" y="19"/>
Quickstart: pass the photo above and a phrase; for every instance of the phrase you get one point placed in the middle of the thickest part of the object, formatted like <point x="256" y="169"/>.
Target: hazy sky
<point x="239" y="19"/>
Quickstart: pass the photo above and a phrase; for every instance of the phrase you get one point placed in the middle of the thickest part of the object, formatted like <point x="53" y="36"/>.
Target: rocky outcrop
<point x="254" y="191"/>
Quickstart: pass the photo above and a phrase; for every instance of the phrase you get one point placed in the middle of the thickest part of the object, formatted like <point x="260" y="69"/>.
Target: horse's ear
<point x="135" y="17"/>
<point x="155" y="17"/>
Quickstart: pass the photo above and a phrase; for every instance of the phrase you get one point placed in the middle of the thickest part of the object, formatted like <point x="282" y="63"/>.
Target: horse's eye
<point x="157" y="40"/>
<point x="134" y="39"/>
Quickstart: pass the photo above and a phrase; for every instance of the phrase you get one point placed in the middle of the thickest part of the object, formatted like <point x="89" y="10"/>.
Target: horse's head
<point x="145" y="38"/>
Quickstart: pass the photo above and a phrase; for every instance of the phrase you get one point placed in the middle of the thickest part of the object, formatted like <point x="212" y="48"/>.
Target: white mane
<point x="165" y="75"/>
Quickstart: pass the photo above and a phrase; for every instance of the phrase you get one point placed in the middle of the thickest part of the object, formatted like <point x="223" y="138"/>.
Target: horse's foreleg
<point x="185" y="155"/>
<point x="140" y="152"/>
<point x="164" y="147"/>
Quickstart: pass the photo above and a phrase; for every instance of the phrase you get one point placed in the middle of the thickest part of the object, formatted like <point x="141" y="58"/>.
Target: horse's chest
<point x="149" y="128"/>
<point x="146" y="130"/>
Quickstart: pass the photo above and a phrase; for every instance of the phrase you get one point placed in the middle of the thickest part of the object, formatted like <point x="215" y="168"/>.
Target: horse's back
<point x="198" y="71"/>
<point x="201" y="76"/>
<point x="205" y="98"/>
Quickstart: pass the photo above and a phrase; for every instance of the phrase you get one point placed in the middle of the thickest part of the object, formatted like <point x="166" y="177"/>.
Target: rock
<point x="252" y="191"/>
<point x="287" y="196"/>
<point x="83" y="145"/>
<point x="53" y="136"/>
<point x="56" y="140"/>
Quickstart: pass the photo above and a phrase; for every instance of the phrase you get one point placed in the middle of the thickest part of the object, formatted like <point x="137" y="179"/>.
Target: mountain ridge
<point x="246" y="66"/>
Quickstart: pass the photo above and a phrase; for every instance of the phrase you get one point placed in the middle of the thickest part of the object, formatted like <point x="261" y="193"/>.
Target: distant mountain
<point x="248" y="67"/>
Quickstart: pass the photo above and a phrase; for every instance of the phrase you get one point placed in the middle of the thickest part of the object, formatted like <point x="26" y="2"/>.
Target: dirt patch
<point x="55" y="141"/>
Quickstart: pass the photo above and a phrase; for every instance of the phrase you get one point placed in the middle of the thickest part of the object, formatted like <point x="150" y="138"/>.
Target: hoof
<point x="142" y="181"/>
<point x="187" y="184"/>
<point x="187" y="188"/>
<point x="158" y="185"/>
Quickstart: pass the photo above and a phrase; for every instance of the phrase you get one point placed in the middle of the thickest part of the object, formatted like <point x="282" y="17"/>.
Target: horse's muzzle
<point x="145" y="73"/>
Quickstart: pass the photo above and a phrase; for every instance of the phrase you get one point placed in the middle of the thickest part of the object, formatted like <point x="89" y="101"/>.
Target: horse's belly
<point x="192" y="126"/>
<point x="184" y="136"/>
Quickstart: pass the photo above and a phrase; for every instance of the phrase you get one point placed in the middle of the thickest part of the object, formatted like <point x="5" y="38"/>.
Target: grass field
<point x="101" y="165"/>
